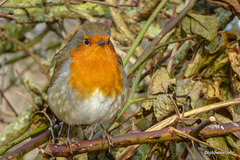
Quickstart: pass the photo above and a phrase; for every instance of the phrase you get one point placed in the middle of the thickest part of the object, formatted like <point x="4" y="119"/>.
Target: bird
<point x="89" y="84"/>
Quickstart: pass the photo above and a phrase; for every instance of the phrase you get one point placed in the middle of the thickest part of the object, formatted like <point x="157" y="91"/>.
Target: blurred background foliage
<point x="202" y="69"/>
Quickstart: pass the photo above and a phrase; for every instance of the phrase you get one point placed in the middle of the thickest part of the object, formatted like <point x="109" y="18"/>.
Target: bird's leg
<point x="51" y="125"/>
<point x="60" y="130"/>
<point x="52" y="133"/>
<point x="92" y="131"/>
<point x="67" y="142"/>
<point x="109" y="138"/>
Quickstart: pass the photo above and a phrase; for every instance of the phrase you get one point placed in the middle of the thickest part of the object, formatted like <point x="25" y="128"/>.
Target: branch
<point x="8" y="103"/>
<point x="171" y="119"/>
<point x="32" y="144"/>
<point x="167" y="134"/>
<point x="184" y="135"/>
<point x="3" y="15"/>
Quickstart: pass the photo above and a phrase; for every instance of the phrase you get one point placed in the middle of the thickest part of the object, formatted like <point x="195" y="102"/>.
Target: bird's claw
<point x="67" y="142"/>
<point x="109" y="138"/>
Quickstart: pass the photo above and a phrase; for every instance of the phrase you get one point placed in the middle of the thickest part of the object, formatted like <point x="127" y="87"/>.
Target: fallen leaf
<point x="163" y="107"/>
<point x="232" y="55"/>
<point x="158" y="78"/>
<point x="183" y="89"/>
<point x="202" y="25"/>
<point x="230" y="5"/>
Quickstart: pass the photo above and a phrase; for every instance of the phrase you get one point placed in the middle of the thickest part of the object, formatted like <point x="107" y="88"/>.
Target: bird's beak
<point x="101" y="42"/>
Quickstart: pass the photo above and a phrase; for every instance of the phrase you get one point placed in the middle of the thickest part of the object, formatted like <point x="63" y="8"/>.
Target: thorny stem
<point x="163" y="135"/>
<point x="194" y="132"/>
<point x="164" y="123"/>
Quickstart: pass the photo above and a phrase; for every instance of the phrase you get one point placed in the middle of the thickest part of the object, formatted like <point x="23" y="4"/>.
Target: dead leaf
<point x="232" y="55"/>
<point x="183" y="89"/>
<point x="195" y="93"/>
<point x="212" y="91"/>
<point x="163" y="107"/>
<point x="158" y="78"/>
<point x="147" y="105"/>
<point x="230" y="5"/>
<point x="38" y="120"/>
<point x="235" y="84"/>
<point x="202" y="25"/>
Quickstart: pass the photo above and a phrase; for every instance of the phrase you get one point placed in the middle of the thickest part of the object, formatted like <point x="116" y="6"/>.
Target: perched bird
<point x="89" y="84"/>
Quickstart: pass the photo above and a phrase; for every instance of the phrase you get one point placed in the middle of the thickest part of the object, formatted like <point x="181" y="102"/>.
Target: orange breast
<point x="95" y="67"/>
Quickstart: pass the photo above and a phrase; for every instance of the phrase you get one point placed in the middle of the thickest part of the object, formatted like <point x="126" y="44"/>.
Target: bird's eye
<point x="86" y="41"/>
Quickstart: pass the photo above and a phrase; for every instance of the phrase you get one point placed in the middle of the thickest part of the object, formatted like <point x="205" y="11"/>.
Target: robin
<point x="88" y="84"/>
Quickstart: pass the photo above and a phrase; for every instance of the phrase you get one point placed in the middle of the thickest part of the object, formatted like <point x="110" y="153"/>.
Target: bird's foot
<point x="108" y="137"/>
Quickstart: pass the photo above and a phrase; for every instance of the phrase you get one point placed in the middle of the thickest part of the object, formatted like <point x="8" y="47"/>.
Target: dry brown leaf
<point x="158" y="78"/>
<point x="232" y="55"/>
<point x="183" y="89"/>
<point x="147" y="105"/>
<point x="212" y="91"/>
<point x="163" y="107"/>
<point x="195" y="93"/>
<point x="231" y="5"/>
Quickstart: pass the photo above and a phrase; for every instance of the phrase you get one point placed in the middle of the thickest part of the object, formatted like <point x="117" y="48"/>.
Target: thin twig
<point x="124" y="121"/>
<point x="62" y="29"/>
<point x="27" y="147"/>
<point x="8" y="103"/>
<point x="29" y="52"/>
<point x="194" y="132"/>
<point x="119" y="22"/>
<point x="202" y="125"/>
<point x="8" y="16"/>
<point x="169" y="67"/>
<point x="71" y="34"/>
<point x="184" y="135"/>
<point x="82" y="14"/>
<point x="4" y="1"/>
<point x="110" y="4"/>
<point x="167" y="56"/>
<point x="29" y="100"/>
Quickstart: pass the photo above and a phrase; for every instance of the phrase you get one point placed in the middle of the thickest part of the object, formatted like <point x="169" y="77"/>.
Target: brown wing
<point x="57" y="62"/>
<point x="119" y="59"/>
